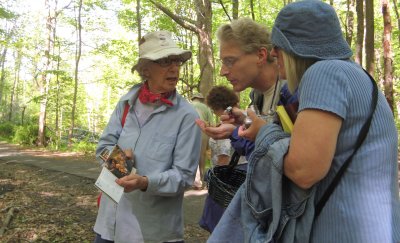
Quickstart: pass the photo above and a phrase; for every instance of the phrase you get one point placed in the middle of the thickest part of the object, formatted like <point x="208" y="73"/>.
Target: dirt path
<point x="52" y="204"/>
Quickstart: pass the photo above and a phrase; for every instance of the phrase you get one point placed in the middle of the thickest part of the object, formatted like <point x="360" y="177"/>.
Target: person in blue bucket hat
<point x="336" y="179"/>
<point x="336" y="102"/>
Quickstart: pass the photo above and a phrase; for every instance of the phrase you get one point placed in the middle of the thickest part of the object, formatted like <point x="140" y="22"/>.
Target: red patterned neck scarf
<point x="146" y="96"/>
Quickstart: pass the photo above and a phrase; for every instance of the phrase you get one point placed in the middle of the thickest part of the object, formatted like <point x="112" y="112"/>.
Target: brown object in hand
<point x="117" y="161"/>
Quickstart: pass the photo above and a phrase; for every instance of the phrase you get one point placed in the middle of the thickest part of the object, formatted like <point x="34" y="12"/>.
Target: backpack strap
<point x="126" y="110"/>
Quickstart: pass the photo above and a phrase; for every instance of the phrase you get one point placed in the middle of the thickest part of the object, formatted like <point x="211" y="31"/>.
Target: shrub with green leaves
<point x="6" y="130"/>
<point x="26" y="134"/>
<point x="84" y="147"/>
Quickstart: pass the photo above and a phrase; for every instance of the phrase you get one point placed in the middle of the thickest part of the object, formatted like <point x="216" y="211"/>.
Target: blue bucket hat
<point x="310" y="29"/>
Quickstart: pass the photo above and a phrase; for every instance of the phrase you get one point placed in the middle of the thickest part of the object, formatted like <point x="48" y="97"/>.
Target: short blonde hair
<point x="295" y="67"/>
<point x="248" y="34"/>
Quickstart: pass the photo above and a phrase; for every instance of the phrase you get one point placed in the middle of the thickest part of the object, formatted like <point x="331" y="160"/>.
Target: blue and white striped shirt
<point x="365" y="205"/>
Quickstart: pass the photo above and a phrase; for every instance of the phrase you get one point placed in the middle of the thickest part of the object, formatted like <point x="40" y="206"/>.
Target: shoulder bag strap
<point x="363" y="134"/>
<point x="126" y="110"/>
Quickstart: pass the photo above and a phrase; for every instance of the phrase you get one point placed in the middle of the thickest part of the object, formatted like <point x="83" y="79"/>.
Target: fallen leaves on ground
<point x="53" y="206"/>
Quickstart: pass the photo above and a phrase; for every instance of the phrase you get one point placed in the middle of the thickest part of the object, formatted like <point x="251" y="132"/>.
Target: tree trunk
<point x="16" y="81"/>
<point x="235" y="9"/>
<point x="58" y="88"/>
<point x="45" y="79"/>
<point x="3" y="73"/>
<point x="369" y="37"/>
<point x="206" y="58"/>
<point x="358" y="57"/>
<point x="78" y="53"/>
<point x="396" y="11"/>
<point x="253" y="17"/>
<point x="350" y="21"/>
<point x="202" y="27"/>
<point x="138" y="20"/>
<point x="387" y="54"/>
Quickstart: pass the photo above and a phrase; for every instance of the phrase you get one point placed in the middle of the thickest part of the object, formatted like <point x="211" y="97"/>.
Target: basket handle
<point x="234" y="160"/>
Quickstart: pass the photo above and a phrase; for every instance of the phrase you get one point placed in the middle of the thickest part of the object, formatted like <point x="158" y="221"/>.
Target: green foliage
<point x="125" y="50"/>
<point x="109" y="30"/>
<point x="6" y="14"/>
<point x="25" y="135"/>
<point x="6" y="130"/>
<point x="84" y="147"/>
<point x="127" y="18"/>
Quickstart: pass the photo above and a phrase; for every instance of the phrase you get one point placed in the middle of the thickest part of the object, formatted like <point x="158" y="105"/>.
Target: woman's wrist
<point x="144" y="183"/>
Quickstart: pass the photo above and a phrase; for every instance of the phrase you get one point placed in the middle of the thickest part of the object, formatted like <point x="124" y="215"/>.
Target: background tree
<point x="350" y="21"/>
<point x="369" y="37"/>
<point x="111" y="30"/>
<point x="396" y="11"/>
<point x="44" y="81"/>
<point x="387" y="53"/>
<point x="78" y="53"/>
<point x="202" y="27"/>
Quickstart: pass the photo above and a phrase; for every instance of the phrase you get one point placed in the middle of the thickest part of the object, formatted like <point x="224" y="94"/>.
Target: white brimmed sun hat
<point x="157" y="45"/>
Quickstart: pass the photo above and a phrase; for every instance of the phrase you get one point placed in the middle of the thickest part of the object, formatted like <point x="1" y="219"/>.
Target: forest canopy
<point x="65" y="63"/>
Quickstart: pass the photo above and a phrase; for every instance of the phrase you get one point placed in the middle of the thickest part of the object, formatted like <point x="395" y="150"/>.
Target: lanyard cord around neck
<point x="274" y="94"/>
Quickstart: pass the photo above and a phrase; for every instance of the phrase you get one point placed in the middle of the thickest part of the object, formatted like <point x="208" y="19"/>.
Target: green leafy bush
<point x="26" y="134"/>
<point x="84" y="147"/>
<point x="6" y="130"/>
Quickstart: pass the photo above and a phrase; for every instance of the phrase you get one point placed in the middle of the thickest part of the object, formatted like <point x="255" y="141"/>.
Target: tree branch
<point x="7" y="221"/>
<point x="176" y="18"/>
<point x="223" y="7"/>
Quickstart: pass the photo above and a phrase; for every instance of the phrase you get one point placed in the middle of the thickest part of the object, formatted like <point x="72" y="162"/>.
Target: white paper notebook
<point x="106" y="183"/>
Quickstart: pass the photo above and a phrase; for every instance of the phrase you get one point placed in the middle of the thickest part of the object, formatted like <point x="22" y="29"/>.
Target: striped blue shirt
<point x="365" y="206"/>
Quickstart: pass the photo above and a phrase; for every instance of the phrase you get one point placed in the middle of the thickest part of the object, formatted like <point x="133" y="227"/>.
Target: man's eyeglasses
<point x="166" y="62"/>
<point x="229" y="62"/>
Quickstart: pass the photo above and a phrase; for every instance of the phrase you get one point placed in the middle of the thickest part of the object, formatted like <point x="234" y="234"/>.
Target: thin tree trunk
<point x="15" y="85"/>
<point x="139" y="20"/>
<point x="235" y="9"/>
<point x="252" y="10"/>
<point x="45" y="80"/>
<point x="396" y="11"/>
<point x="358" y="57"/>
<point x="350" y="21"/>
<point x="387" y="54"/>
<point x="58" y="88"/>
<point x="78" y="53"/>
<point x="3" y="73"/>
<point x="369" y="37"/>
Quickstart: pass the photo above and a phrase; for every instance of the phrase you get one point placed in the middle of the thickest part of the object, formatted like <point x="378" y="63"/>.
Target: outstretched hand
<point x="133" y="182"/>
<point x="251" y="132"/>
<point x="222" y="131"/>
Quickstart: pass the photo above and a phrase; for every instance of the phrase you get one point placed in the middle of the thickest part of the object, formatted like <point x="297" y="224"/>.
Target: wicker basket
<point x="223" y="181"/>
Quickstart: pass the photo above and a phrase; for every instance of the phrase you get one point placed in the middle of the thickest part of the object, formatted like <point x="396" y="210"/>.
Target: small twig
<point x="5" y="209"/>
<point x="7" y="221"/>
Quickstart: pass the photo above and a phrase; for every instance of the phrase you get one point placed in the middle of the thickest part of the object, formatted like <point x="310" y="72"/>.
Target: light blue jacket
<point x="166" y="149"/>
<point x="268" y="207"/>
